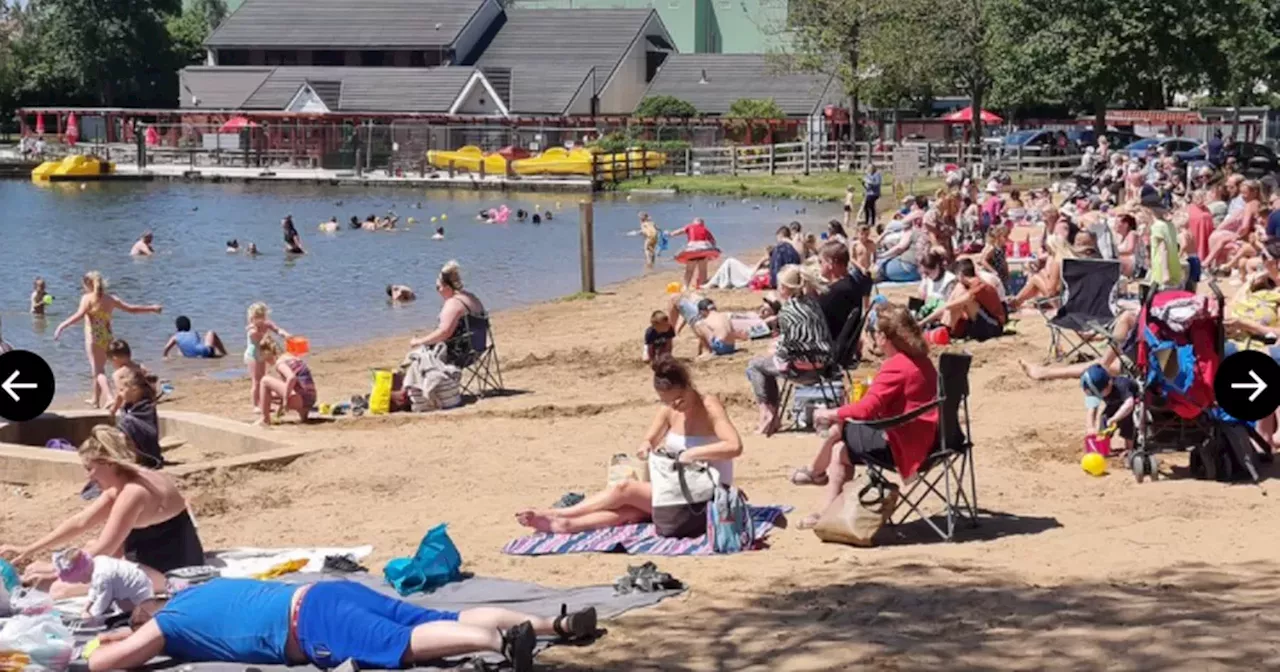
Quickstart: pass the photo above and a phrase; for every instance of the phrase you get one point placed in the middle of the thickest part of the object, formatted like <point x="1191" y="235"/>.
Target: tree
<point x="1249" y="53"/>
<point x="665" y="106"/>
<point x="1103" y="52"/>
<point x="100" y="52"/>
<point x="831" y="37"/>
<point x="755" y="108"/>
<point x="964" y="30"/>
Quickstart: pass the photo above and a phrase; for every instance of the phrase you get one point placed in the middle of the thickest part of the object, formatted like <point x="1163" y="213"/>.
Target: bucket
<point x="380" y="397"/>
<point x="297" y="345"/>
<point x="1098" y="444"/>
<point x="940" y="336"/>
<point x="1024" y="249"/>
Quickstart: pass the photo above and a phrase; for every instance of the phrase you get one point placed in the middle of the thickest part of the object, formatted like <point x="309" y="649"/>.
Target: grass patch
<point x="580" y="296"/>
<point x="826" y="186"/>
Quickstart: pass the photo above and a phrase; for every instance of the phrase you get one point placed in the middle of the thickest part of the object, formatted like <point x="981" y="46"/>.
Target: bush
<point x="755" y="108"/>
<point x="665" y="106"/>
<point x="617" y="142"/>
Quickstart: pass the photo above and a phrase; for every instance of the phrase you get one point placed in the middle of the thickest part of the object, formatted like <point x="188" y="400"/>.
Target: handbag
<point x="436" y="563"/>
<point x="680" y="495"/>
<point x="858" y="513"/>
<point x="729" y="521"/>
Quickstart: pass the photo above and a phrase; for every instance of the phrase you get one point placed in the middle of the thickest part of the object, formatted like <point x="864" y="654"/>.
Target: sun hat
<point x="1094" y="380"/>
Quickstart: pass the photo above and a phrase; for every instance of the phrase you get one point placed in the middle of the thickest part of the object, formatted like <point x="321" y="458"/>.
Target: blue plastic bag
<point x="436" y="563"/>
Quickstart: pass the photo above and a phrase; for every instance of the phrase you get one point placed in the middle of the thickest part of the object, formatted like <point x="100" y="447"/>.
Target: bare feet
<point x="539" y="521"/>
<point x="1033" y="372"/>
<point x="261" y="423"/>
<point x="809" y="522"/>
<point x="768" y="421"/>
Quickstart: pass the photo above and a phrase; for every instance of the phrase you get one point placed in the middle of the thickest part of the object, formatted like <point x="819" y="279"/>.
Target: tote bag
<point x="680" y="495"/>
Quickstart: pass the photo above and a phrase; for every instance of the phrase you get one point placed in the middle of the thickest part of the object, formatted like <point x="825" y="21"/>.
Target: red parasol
<point x="237" y="124"/>
<point x="73" y="129"/>
<point x="39" y="124"/>
<point x="966" y="115"/>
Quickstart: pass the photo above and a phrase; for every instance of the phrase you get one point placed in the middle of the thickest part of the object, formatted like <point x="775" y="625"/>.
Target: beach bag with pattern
<point x="729" y="521"/>
<point x="858" y="513"/>
<point x="681" y="493"/>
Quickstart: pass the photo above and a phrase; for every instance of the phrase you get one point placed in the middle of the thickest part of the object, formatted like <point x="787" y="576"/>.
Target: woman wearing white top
<point x="690" y="425"/>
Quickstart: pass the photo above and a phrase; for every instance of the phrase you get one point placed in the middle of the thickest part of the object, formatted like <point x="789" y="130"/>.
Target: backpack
<point x="729" y="521"/>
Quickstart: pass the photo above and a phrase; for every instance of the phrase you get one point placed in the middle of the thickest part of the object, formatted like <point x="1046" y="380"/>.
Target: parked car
<point x="1175" y="146"/>
<point x="1084" y="137"/>
<point x="1034" y="141"/>
<point x="1254" y="160"/>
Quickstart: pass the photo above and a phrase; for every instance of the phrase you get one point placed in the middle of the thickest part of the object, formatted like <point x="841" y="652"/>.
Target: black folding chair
<point x="948" y="473"/>
<point x="472" y="349"/>
<point x="830" y="373"/>
<point x="1088" y="307"/>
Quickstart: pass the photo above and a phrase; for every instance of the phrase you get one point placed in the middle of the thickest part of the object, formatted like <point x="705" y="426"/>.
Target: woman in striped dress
<point x="804" y="342"/>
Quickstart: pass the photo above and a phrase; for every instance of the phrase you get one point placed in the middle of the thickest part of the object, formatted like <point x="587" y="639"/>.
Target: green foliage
<point x="665" y="106"/>
<point x="755" y="108"/>
<point x="619" y="142"/>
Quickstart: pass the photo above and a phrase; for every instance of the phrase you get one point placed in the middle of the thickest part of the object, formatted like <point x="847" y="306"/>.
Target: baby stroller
<point x="1180" y="342"/>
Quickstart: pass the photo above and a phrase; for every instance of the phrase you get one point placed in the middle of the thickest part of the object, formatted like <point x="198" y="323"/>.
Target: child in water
<point x="649" y="231"/>
<point x="439" y="233"/>
<point x="190" y="344"/>
<point x="252" y="250"/>
<point x="400" y="293"/>
<point x="38" y="297"/>
<point x="258" y="329"/>
<point x="233" y="246"/>
<point x="295" y="388"/>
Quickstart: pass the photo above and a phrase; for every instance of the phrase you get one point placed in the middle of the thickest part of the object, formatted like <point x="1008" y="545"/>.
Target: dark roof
<point x="340" y="24"/>
<point x="345" y="89"/>
<point x="551" y="52"/>
<point x="733" y="76"/>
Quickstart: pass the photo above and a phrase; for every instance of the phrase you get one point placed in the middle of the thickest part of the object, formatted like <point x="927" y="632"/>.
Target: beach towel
<point x="637" y="539"/>
<point x="467" y="594"/>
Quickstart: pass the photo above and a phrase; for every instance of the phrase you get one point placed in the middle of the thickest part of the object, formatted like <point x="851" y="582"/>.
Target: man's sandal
<point x="805" y="476"/>
<point x="518" y="643"/>
<point x="579" y="625"/>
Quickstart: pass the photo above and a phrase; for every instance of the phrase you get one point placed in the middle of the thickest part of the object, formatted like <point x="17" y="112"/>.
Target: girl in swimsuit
<point x="95" y="309"/>
<point x="689" y="424"/>
<point x="296" y="389"/>
<point x="141" y="513"/>
<point x="257" y="329"/>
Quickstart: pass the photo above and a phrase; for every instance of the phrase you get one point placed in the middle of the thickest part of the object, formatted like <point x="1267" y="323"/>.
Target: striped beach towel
<point x="637" y="539"/>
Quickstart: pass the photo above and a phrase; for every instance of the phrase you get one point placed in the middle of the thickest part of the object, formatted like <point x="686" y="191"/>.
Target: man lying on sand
<point x="253" y="622"/>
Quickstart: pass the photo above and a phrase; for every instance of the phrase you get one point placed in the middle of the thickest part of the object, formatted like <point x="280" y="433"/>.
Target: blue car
<point x="1174" y="146"/>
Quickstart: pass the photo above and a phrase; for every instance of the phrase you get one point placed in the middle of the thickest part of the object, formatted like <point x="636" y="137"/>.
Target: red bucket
<point x="1098" y="444"/>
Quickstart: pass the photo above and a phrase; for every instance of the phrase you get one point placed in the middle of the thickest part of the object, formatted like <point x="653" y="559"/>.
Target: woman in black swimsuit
<point x="141" y="514"/>
<point x="292" y="241"/>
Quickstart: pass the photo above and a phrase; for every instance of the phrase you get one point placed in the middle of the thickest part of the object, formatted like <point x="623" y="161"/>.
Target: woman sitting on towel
<point x="690" y="425"/>
<point x="906" y="381"/>
<point x="325" y="624"/>
<point x="141" y="512"/>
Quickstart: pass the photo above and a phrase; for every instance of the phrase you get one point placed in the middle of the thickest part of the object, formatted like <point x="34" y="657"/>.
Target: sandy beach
<point x="1065" y="572"/>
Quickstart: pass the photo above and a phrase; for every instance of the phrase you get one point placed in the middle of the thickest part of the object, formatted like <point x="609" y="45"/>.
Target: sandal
<point x="805" y="476"/>
<point x="809" y="522"/>
<point x="579" y="625"/>
<point x="518" y="643"/>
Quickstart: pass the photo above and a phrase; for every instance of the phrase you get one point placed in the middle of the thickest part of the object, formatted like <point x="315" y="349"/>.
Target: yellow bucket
<point x="380" y="398"/>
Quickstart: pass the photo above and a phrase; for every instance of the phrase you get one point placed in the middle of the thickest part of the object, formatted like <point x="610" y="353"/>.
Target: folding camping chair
<point x="829" y="374"/>
<point x="948" y="473"/>
<point x="1088" y="307"/>
<point x="472" y="349"/>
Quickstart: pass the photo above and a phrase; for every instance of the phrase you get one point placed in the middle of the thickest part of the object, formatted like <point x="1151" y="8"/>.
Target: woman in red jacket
<point x="906" y="381"/>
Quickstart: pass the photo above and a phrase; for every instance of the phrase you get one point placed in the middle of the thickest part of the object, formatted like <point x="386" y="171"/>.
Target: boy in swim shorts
<point x="190" y="344"/>
<point x="715" y="330"/>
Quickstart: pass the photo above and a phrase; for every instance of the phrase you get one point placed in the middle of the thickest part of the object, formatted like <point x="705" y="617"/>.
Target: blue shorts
<point x="344" y="619"/>
<point x="721" y="348"/>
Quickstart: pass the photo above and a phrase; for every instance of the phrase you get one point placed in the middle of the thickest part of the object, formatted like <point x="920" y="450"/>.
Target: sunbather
<point x="1122" y="333"/>
<point x="1047" y="283"/>
<point x="254" y="622"/>
<point x="141" y="512"/>
<point x="690" y="425"/>
<point x="973" y="310"/>
<point x="907" y="380"/>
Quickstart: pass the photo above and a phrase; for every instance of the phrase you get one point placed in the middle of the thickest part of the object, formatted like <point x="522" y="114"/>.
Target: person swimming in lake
<point x="547" y="215"/>
<point x="521" y="215"/>
<point x="354" y="223"/>
<point x="144" y="247"/>
<point x="330" y="226"/>
<point x="96" y="307"/>
<point x="439" y="235"/>
<point x="38" y="297"/>
<point x="233" y="246"/>
<point x="259" y="327"/>
<point x="400" y="293"/>
<point x="537" y="219"/>
<point x="252" y="250"/>
<point x="190" y="344"/>
<point x="292" y="240"/>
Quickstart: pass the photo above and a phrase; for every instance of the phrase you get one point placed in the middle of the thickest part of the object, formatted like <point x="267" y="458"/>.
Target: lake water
<point x="335" y="294"/>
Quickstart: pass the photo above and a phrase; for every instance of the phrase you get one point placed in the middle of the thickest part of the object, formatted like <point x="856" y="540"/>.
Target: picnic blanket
<point x="466" y="594"/>
<point x="636" y="539"/>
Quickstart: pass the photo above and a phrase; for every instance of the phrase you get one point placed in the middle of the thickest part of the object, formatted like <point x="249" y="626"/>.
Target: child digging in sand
<point x="258" y="328"/>
<point x="659" y="337"/>
<point x="295" y="388"/>
<point x="1109" y="401"/>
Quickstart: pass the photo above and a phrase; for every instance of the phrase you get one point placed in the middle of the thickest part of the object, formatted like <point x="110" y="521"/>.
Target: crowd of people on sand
<point x="820" y="307"/>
